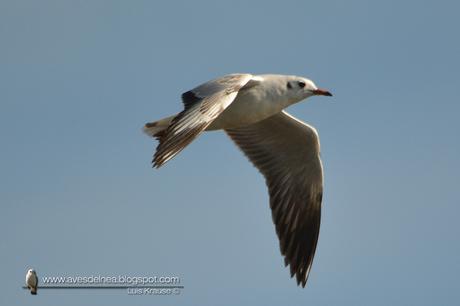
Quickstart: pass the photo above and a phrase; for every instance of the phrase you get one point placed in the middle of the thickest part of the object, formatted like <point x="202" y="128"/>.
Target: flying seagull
<point x="32" y="281"/>
<point x="250" y="109"/>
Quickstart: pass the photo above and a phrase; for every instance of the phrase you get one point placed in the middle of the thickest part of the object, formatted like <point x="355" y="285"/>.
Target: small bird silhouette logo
<point x="32" y="281"/>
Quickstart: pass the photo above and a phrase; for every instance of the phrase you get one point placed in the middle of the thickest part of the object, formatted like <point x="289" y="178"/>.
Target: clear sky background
<point x="78" y="79"/>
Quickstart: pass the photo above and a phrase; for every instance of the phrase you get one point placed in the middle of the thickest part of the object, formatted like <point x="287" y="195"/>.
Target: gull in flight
<point x="32" y="281"/>
<point x="250" y="109"/>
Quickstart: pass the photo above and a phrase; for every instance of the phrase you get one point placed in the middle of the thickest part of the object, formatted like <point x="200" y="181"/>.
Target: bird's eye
<point x="288" y="85"/>
<point x="301" y="84"/>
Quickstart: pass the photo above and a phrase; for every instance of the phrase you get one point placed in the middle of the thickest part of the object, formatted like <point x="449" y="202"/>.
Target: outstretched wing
<point x="202" y="105"/>
<point x="286" y="152"/>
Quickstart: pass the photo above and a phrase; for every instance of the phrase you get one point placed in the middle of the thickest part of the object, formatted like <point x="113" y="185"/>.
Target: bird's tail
<point x="157" y="129"/>
<point x="33" y="290"/>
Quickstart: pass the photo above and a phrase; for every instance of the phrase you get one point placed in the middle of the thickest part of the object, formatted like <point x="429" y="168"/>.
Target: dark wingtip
<point x="189" y="98"/>
<point x="151" y="124"/>
<point x="156" y="164"/>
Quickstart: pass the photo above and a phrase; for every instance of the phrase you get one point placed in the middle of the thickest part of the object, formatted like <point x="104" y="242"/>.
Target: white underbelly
<point x="246" y="109"/>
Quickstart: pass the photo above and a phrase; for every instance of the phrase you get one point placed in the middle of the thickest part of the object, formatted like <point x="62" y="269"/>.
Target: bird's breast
<point x="248" y="107"/>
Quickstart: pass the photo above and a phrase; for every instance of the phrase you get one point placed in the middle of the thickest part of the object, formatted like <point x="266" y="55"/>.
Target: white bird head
<point x="299" y="88"/>
<point x="31" y="271"/>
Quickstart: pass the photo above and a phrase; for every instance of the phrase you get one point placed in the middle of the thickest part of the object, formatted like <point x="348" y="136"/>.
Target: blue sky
<point x="78" y="79"/>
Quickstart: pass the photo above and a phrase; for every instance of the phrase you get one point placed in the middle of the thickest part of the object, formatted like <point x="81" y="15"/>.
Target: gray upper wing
<point x="286" y="152"/>
<point x="202" y="105"/>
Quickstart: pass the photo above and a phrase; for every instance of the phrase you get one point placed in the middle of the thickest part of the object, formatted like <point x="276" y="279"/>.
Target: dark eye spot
<point x="289" y="86"/>
<point x="301" y="84"/>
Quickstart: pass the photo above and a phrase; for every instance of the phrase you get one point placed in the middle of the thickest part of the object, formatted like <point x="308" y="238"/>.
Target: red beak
<point x="322" y="92"/>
